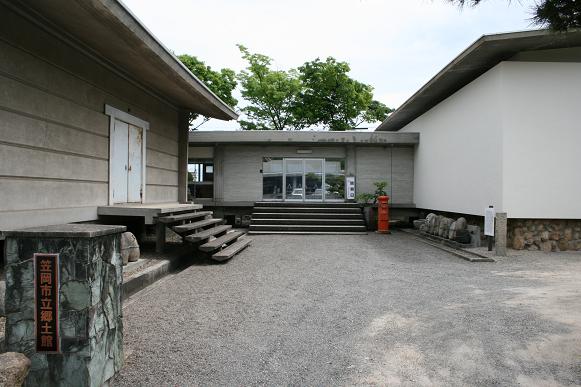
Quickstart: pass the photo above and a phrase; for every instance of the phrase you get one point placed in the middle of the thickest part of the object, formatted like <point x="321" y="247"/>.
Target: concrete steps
<point x="209" y="235"/>
<point x="231" y="250"/>
<point x="307" y="218"/>
<point x="318" y="209"/>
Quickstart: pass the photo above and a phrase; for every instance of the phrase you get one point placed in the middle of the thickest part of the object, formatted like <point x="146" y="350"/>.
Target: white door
<point x="126" y="163"/>
<point x="135" y="170"/>
<point x="119" y="161"/>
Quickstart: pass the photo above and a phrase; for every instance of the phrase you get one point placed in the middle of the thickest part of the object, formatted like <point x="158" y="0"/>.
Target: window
<point x="201" y="179"/>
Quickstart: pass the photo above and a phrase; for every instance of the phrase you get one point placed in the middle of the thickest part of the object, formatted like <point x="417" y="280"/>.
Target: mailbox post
<point x="383" y="215"/>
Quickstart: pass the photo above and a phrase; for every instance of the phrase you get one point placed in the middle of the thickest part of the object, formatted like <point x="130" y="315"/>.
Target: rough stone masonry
<point x="90" y="324"/>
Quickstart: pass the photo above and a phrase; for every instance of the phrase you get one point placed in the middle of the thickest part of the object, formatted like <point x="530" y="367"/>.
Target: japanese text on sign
<point x="46" y="281"/>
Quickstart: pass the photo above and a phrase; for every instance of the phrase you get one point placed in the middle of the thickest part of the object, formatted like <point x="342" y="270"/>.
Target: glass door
<point x="314" y="179"/>
<point x="294" y="173"/>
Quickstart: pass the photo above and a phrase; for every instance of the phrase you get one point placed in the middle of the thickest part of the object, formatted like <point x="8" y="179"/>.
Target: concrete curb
<point x="152" y="274"/>
<point x="459" y="252"/>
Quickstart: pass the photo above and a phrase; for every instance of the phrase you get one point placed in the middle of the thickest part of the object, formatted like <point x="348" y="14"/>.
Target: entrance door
<point x="314" y="179"/>
<point x="126" y="163"/>
<point x="294" y="179"/>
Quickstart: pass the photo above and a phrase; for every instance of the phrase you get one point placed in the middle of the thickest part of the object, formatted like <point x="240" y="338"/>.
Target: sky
<point x="396" y="46"/>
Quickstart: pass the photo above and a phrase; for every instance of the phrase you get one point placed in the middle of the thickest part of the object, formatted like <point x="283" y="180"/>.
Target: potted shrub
<point x="369" y="201"/>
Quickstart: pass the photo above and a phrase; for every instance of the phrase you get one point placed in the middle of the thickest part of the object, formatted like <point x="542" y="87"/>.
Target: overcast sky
<point x="394" y="45"/>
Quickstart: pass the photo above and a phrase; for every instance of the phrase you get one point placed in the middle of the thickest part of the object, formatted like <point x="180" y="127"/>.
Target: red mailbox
<point x="383" y="215"/>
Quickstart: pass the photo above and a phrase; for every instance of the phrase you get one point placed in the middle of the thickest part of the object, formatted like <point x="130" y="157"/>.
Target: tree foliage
<point x="334" y="100"/>
<point x="318" y="93"/>
<point x="222" y="83"/>
<point x="273" y="95"/>
<point x="559" y="15"/>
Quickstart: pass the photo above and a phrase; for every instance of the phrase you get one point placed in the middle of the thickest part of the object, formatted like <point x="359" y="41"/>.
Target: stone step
<point x="217" y="243"/>
<point x="206" y="234"/>
<point x="338" y="222"/>
<point x="231" y="250"/>
<point x="346" y="210"/>
<point x="190" y="228"/>
<point x="308" y="204"/>
<point x="306" y="228"/>
<point x="305" y="215"/>
<point x="186" y="216"/>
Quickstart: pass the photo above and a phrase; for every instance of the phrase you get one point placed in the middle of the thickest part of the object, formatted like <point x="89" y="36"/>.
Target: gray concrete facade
<point x="370" y="157"/>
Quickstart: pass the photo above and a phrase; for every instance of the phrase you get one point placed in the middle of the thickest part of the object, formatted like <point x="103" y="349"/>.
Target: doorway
<point x="298" y="180"/>
<point x="126" y="158"/>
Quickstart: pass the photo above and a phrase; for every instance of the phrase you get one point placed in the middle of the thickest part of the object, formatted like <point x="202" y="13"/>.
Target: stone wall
<point x="90" y="323"/>
<point x="544" y="234"/>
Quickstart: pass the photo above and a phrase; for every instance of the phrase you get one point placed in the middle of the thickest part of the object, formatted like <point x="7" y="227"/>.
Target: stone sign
<point x="46" y="291"/>
<point x="63" y="303"/>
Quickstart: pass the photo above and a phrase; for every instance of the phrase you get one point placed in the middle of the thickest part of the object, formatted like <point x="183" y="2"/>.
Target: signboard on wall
<point x="46" y="294"/>
<point x="489" y="215"/>
<point x="350" y="187"/>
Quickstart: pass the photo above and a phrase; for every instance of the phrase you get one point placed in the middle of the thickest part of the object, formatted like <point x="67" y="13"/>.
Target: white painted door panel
<point x="134" y="176"/>
<point x="119" y="158"/>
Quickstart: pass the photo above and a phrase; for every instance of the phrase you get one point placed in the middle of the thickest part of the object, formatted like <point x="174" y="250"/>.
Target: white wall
<point x="458" y="163"/>
<point x="542" y="139"/>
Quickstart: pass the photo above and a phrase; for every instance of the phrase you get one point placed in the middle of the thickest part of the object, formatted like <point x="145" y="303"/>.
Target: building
<point x="236" y="169"/>
<point x="501" y="125"/>
<point x="93" y="114"/>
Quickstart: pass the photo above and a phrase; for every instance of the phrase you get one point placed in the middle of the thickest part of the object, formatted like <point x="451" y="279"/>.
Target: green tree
<point x="334" y="100"/>
<point x="273" y="95"/>
<point x="222" y="82"/>
<point x="559" y="15"/>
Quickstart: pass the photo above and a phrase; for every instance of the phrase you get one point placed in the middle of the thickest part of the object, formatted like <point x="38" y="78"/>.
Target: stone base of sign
<point x="90" y="323"/>
<point x="500" y="234"/>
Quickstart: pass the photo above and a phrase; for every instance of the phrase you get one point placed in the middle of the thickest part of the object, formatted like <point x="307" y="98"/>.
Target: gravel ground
<point x="358" y="310"/>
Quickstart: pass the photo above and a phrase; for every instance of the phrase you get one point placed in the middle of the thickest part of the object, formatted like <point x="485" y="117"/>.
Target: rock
<point x="518" y="232"/>
<point x="544" y="236"/>
<point x="572" y="245"/>
<point x="554" y="246"/>
<point x="533" y="248"/>
<point x="461" y="224"/>
<point x="2" y="297"/>
<point x="546" y="246"/>
<point x="475" y="237"/>
<point x="444" y="227"/>
<point x="129" y="248"/>
<point x="568" y="234"/>
<point x="452" y="231"/>
<point x="419" y="223"/>
<point x="554" y="236"/>
<point x="518" y="243"/>
<point x="13" y="369"/>
<point x="430" y="220"/>
<point x="436" y="226"/>
<point x="563" y="245"/>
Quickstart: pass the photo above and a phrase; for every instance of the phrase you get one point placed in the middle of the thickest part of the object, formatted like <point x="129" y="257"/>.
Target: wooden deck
<point x="149" y="211"/>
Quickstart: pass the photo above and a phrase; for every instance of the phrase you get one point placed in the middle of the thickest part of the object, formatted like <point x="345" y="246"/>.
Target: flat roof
<point x="481" y="56"/>
<point x="279" y="137"/>
<point x="111" y="32"/>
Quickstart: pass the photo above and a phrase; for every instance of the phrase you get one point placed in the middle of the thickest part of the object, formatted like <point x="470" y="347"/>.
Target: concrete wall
<point x="237" y="176"/>
<point x="542" y="137"/>
<point x="510" y="138"/>
<point x="54" y="144"/>
<point x="458" y="163"/>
